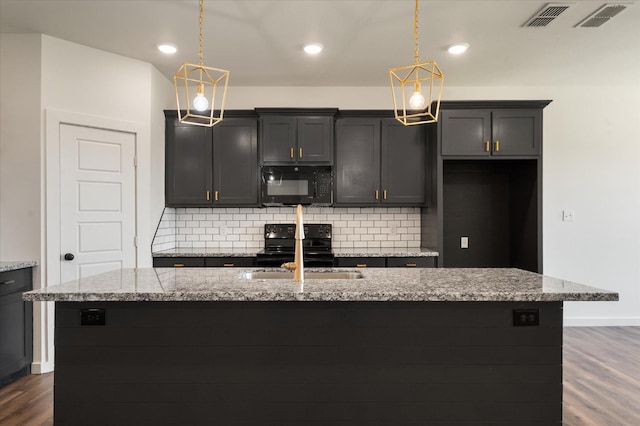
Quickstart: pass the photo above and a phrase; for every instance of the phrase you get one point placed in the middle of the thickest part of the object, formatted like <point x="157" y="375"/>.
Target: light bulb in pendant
<point x="200" y="102"/>
<point x="417" y="100"/>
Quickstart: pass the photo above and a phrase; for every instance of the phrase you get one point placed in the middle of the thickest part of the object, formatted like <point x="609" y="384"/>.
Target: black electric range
<point x="279" y="245"/>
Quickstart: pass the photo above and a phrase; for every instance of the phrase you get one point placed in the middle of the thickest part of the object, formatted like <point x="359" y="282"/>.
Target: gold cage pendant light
<point x="414" y="87"/>
<point x="201" y="91"/>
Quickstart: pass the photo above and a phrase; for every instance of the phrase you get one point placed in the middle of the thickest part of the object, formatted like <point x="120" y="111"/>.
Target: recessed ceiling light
<point x="167" y="48"/>
<point x="313" y="48"/>
<point x="459" y="48"/>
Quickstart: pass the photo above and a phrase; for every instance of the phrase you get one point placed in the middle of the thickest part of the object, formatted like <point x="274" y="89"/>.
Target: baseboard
<point x="602" y="322"/>
<point x="41" y="367"/>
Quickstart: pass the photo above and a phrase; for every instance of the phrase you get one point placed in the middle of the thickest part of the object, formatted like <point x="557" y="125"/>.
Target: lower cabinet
<point x="196" y="262"/>
<point x="361" y="262"/>
<point x="16" y="341"/>
<point x="411" y="262"/>
<point x="229" y="262"/>
<point x="386" y="262"/>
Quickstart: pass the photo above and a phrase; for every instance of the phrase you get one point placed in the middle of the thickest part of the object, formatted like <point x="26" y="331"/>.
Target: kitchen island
<point x="394" y="347"/>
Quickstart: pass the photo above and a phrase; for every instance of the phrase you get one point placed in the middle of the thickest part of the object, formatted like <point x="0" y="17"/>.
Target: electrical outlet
<point x="93" y="316"/>
<point x="526" y="317"/>
<point x="464" y="242"/>
<point x="568" y="215"/>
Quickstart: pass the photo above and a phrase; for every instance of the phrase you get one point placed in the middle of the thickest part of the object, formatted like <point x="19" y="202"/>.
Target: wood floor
<point x="601" y="382"/>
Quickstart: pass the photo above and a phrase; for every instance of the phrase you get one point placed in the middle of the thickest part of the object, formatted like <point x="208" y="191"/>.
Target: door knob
<point x="69" y="256"/>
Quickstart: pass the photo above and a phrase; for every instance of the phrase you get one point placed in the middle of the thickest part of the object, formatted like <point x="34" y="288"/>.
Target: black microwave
<point x="291" y="185"/>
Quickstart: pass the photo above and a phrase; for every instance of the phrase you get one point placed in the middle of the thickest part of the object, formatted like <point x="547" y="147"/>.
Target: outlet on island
<point x="464" y="242"/>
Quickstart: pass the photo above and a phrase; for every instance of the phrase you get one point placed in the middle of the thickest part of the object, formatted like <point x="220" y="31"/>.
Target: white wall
<point x="20" y="150"/>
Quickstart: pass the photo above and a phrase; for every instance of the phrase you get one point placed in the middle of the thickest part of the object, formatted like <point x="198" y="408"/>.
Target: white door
<point x="97" y="201"/>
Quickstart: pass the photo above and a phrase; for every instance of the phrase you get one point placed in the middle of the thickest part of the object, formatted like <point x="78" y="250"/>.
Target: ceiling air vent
<point x="546" y="15"/>
<point x="602" y="15"/>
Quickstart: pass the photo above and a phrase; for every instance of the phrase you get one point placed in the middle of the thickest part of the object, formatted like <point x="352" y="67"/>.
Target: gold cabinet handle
<point x="229" y="264"/>
<point x="496" y="147"/>
<point x="384" y="194"/>
<point x="215" y="196"/>
<point x="410" y="265"/>
<point x="487" y="146"/>
<point x="300" y="152"/>
<point x="208" y="195"/>
<point x="361" y="265"/>
<point x="377" y="194"/>
<point x="178" y="265"/>
<point x="8" y="282"/>
<point x="291" y="152"/>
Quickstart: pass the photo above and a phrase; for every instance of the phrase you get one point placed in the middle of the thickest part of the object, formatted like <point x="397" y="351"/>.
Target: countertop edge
<point x="13" y="266"/>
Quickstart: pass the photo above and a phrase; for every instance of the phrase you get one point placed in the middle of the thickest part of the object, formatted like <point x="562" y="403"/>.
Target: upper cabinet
<point x="296" y="136"/>
<point x="491" y="132"/>
<point x="208" y="167"/>
<point x="188" y="163"/>
<point x="235" y="156"/>
<point x="379" y="162"/>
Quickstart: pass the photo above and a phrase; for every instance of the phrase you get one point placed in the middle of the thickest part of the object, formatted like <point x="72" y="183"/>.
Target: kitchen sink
<point x="285" y="275"/>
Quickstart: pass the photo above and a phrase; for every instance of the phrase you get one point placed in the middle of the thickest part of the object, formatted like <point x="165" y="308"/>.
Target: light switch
<point x="568" y="215"/>
<point x="464" y="242"/>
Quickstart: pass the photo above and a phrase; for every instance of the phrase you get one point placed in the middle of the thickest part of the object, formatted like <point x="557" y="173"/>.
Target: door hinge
<point x="135" y="161"/>
<point x="135" y="241"/>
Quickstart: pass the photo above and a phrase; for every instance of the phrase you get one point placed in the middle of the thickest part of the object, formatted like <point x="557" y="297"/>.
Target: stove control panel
<point x="288" y="230"/>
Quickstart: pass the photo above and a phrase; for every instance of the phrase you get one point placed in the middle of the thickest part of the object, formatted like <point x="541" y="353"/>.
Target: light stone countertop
<point x="338" y="252"/>
<point x="12" y="266"/>
<point x="385" y="252"/>
<point x="207" y="252"/>
<point x="377" y="284"/>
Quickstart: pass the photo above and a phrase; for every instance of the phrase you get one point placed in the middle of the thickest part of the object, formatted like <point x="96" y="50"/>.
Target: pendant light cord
<point x="201" y="25"/>
<point x="415" y="35"/>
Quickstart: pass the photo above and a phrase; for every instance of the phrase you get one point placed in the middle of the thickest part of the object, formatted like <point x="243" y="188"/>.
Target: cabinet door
<point x="278" y="140"/>
<point x="517" y="132"/>
<point x="235" y="162"/>
<point x="357" y="170"/>
<point x="188" y="173"/>
<point x="315" y="140"/>
<point x="15" y="324"/>
<point x="466" y="132"/>
<point x="404" y="162"/>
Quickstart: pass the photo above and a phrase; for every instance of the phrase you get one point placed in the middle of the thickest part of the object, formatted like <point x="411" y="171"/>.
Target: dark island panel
<point x="329" y="363"/>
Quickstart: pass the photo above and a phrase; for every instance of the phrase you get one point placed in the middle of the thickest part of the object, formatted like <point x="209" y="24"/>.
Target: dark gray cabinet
<point x="491" y="132"/>
<point x="286" y="139"/>
<point x="16" y="342"/>
<point x="188" y="166"/>
<point x="209" y="167"/>
<point x="199" y="262"/>
<point x="385" y="262"/>
<point x="379" y="162"/>
<point x="235" y="159"/>
<point x="488" y="212"/>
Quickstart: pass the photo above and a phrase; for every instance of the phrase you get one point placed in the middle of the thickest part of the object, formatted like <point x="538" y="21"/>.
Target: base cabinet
<point x="16" y="342"/>
<point x="199" y="262"/>
<point x="386" y="262"/>
<point x="301" y="363"/>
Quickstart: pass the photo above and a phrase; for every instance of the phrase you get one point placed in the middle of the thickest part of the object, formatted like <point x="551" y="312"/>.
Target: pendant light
<point x="414" y="87"/>
<point x="201" y="91"/>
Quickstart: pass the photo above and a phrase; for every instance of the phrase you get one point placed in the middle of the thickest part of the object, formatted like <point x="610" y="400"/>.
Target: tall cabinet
<point x="488" y="204"/>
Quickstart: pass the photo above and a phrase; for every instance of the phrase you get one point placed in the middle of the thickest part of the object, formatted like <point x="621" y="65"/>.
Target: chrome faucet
<point x="298" y="265"/>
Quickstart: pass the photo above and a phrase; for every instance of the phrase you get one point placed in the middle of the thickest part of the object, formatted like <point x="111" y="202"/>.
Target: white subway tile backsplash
<point x="353" y="227"/>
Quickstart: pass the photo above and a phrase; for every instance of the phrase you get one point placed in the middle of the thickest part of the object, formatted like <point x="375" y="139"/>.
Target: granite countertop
<point x="18" y="264"/>
<point x="338" y="252"/>
<point x="377" y="284"/>
<point x="385" y="252"/>
<point x="207" y="252"/>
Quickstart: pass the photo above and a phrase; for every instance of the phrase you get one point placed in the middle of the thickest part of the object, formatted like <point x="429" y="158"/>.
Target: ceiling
<point x="260" y="41"/>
